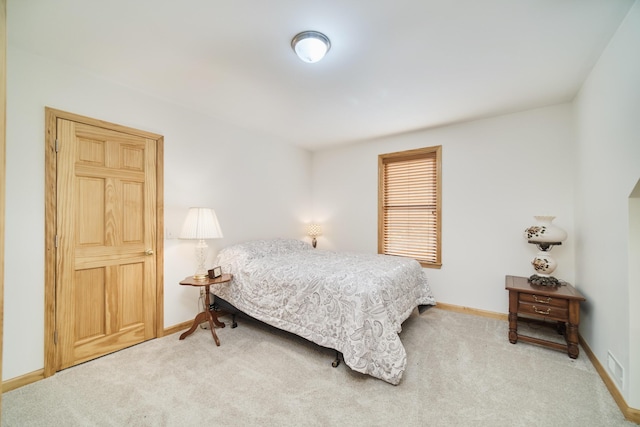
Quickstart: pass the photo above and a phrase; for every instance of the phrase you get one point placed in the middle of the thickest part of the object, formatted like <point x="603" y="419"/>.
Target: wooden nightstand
<point x="559" y="303"/>
<point x="209" y="314"/>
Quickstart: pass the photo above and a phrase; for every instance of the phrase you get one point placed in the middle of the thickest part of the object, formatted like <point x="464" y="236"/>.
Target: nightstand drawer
<point x="544" y="310"/>
<point x="544" y="300"/>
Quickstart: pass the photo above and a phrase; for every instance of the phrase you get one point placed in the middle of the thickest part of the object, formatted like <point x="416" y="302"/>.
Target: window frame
<point x="403" y="156"/>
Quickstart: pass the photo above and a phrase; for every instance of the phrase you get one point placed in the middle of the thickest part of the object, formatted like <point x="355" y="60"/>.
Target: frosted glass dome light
<point x="311" y="46"/>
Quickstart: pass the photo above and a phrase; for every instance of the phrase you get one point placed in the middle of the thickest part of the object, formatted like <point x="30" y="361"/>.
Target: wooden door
<point x="106" y="241"/>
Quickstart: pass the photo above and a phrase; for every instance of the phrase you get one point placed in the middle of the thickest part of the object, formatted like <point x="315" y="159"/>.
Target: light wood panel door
<point x="106" y="241"/>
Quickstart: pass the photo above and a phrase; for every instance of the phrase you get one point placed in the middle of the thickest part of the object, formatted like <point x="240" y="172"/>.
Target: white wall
<point x="608" y="159"/>
<point x="258" y="187"/>
<point x="496" y="174"/>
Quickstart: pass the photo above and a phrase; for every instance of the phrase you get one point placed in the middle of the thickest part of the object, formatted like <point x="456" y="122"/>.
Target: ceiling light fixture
<point x="311" y="46"/>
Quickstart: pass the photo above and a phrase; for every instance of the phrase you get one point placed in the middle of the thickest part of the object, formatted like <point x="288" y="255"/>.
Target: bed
<point x="354" y="303"/>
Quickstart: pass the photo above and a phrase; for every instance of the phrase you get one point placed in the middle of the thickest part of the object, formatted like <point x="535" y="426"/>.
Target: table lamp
<point x="201" y="224"/>
<point x="545" y="236"/>
<point x="314" y="230"/>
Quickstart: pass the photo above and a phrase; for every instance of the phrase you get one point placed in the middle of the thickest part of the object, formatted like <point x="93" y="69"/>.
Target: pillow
<point x="233" y="257"/>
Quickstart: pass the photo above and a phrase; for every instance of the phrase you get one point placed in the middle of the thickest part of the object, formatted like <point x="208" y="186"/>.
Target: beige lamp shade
<point x="201" y="223"/>
<point x="314" y="230"/>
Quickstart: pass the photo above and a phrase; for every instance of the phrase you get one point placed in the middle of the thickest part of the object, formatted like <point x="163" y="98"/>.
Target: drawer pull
<point x="542" y="312"/>
<point x="542" y="300"/>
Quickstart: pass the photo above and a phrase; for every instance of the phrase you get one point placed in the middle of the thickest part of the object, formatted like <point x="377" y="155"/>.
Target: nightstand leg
<point x="513" y="317"/>
<point x="212" y="327"/>
<point x="210" y="316"/>
<point x="217" y="321"/>
<point x="205" y="316"/>
<point x="572" y="329"/>
<point x="572" y="341"/>
<point x="201" y="317"/>
<point x="513" y="328"/>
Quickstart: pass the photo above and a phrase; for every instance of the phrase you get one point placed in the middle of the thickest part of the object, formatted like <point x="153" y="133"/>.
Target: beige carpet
<point x="462" y="371"/>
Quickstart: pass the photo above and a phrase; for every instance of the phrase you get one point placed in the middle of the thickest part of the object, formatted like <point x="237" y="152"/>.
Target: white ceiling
<point x="394" y="65"/>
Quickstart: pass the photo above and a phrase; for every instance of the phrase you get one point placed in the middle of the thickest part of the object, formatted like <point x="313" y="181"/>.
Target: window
<point x="409" y="199"/>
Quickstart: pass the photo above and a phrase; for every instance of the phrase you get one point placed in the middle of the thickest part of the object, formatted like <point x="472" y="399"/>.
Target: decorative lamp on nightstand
<point x="201" y="224"/>
<point x="314" y="230"/>
<point x="545" y="235"/>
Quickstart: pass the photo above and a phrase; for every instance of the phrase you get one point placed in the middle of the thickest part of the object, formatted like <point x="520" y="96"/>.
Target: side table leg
<point x="513" y="316"/>
<point x="216" y="320"/>
<point x="213" y="328"/>
<point x="205" y="316"/>
<point x="513" y="328"/>
<point x="572" y="341"/>
<point x="572" y="329"/>
<point x="201" y="317"/>
<point x="211" y="317"/>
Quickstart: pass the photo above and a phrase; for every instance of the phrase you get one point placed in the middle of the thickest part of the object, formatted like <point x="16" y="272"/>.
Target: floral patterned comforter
<point x="352" y="302"/>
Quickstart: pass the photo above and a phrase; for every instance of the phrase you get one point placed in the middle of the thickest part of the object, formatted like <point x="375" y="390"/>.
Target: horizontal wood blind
<point x="409" y="205"/>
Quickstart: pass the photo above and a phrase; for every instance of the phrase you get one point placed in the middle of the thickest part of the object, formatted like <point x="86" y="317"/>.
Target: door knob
<point x="148" y="252"/>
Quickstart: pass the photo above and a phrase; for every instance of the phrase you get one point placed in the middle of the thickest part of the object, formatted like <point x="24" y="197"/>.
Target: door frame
<point x="51" y="117"/>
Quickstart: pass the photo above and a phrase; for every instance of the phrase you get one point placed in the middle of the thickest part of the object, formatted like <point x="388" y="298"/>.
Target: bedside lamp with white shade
<point x="201" y="224"/>
<point x="313" y="231"/>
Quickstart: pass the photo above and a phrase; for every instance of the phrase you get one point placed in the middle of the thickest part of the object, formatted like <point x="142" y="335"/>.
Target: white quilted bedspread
<point x="352" y="302"/>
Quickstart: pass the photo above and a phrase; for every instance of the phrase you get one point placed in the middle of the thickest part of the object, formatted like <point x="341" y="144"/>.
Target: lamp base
<point x="544" y="280"/>
<point x="201" y="258"/>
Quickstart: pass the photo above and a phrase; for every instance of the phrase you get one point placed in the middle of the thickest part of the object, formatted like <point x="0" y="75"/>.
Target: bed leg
<point x="336" y="362"/>
<point x="234" y="324"/>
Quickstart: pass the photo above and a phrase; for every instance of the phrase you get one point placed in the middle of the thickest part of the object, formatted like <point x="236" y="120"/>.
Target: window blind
<point x="409" y="199"/>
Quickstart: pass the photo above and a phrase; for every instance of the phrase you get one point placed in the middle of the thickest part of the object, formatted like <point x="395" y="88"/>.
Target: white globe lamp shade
<point x="311" y="46"/>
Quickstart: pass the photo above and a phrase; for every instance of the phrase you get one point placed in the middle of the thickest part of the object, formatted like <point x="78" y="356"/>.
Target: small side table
<point x="209" y="314"/>
<point x="559" y="303"/>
